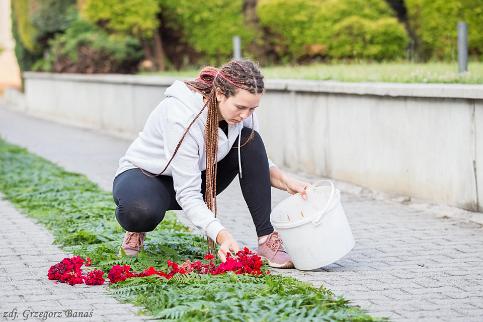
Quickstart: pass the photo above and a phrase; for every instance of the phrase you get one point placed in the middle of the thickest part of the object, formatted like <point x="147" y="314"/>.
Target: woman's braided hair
<point x="234" y="75"/>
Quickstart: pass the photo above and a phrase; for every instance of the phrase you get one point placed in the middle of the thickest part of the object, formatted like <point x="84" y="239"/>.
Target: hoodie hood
<point x="180" y="91"/>
<point x="194" y="101"/>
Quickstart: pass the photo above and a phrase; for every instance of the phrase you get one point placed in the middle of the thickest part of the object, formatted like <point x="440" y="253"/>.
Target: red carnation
<point x="119" y="273"/>
<point x="67" y="271"/>
<point x="96" y="277"/>
<point x="151" y="271"/>
<point x="209" y="256"/>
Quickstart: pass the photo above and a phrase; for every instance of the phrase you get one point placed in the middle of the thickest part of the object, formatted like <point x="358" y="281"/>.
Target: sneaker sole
<point x="275" y="265"/>
<point x="128" y="252"/>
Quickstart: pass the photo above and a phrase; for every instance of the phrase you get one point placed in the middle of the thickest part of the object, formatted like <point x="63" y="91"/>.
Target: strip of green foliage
<point x="81" y="217"/>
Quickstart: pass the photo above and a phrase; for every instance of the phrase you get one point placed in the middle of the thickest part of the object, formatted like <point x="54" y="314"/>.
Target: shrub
<point x="135" y="18"/>
<point x="337" y="10"/>
<point x="327" y="27"/>
<point x="350" y="38"/>
<point x="22" y="15"/>
<point x="131" y="17"/>
<point x="356" y="37"/>
<point x="388" y="40"/>
<point x="52" y="17"/>
<point x="291" y="22"/>
<point x="24" y="34"/>
<point x="85" y="48"/>
<point x="435" y="24"/>
<point x="209" y="26"/>
<point x="34" y="23"/>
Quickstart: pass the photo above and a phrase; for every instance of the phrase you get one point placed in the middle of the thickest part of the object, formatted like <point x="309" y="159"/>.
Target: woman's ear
<point x="219" y="95"/>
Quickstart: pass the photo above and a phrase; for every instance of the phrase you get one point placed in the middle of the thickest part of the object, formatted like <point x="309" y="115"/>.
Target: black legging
<point x="142" y="200"/>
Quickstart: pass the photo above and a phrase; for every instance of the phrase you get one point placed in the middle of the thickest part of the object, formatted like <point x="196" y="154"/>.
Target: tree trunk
<point x="399" y="7"/>
<point x="148" y="53"/>
<point x="258" y="49"/>
<point x="159" y="51"/>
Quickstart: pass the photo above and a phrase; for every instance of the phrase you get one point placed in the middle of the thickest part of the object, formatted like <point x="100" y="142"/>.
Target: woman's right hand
<point x="227" y="244"/>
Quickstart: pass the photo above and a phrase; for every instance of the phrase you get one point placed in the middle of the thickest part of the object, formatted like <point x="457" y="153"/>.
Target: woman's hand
<point x="294" y="186"/>
<point x="280" y="180"/>
<point x="227" y="244"/>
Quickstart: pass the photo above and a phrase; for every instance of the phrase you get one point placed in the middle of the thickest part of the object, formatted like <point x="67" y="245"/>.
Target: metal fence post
<point x="462" y="47"/>
<point x="236" y="47"/>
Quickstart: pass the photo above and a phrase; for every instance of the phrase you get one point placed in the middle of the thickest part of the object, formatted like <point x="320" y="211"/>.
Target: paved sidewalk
<point x="26" y="253"/>
<point x="408" y="264"/>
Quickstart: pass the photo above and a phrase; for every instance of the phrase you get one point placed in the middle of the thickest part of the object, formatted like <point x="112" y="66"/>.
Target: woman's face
<point x="235" y="109"/>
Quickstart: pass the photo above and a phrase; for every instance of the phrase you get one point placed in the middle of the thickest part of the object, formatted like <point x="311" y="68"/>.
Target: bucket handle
<point x="317" y="220"/>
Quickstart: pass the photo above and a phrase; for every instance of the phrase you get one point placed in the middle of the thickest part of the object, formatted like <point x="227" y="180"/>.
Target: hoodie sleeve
<point x="252" y="122"/>
<point x="187" y="177"/>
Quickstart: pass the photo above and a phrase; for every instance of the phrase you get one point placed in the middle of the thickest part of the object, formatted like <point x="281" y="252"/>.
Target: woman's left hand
<point x="294" y="186"/>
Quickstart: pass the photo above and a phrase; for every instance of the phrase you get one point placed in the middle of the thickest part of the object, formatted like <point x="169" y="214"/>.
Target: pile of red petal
<point x="69" y="269"/>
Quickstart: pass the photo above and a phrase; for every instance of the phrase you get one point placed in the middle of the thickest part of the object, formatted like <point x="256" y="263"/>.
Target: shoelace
<point x="132" y="242"/>
<point x="275" y="243"/>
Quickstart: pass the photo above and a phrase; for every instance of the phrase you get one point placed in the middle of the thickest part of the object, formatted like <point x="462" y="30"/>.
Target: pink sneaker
<point x="133" y="242"/>
<point x="272" y="250"/>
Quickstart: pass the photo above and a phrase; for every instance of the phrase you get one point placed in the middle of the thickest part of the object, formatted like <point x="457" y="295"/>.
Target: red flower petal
<point x="209" y="256"/>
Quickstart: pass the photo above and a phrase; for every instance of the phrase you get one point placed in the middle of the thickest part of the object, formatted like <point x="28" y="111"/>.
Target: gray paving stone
<point x="25" y="284"/>
<point x="408" y="264"/>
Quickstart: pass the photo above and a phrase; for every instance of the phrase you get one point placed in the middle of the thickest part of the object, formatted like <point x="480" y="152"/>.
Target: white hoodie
<point x="154" y="146"/>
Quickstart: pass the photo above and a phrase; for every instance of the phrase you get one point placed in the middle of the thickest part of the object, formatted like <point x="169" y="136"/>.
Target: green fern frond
<point x="185" y="279"/>
<point x="174" y="313"/>
<point x="118" y="261"/>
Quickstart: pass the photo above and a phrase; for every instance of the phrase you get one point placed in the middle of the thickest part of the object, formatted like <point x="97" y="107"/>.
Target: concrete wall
<point x="117" y="104"/>
<point x="418" y="140"/>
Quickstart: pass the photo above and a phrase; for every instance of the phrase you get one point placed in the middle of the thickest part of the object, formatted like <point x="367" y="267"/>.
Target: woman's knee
<point x="252" y="144"/>
<point x="250" y="137"/>
<point x="138" y="216"/>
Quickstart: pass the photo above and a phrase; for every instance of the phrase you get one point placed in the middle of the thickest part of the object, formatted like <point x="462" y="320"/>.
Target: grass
<point x="366" y="72"/>
<point x="81" y="217"/>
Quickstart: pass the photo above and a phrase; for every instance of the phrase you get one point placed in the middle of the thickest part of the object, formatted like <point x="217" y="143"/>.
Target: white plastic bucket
<point x="315" y="231"/>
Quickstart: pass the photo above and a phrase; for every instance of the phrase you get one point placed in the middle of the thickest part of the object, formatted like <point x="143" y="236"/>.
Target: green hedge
<point x="24" y="34"/>
<point x="34" y="23"/>
<point x="85" y="48"/>
<point x="52" y="17"/>
<point x="131" y="17"/>
<point x="22" y="16"/>
<point x="435" y="25"/>
<point x="356" y="37"/>
<point x="324" y="28"/>
<point x="184" y="33"/>
<point x="209" y="26"/>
